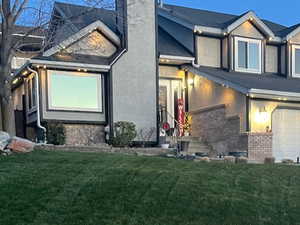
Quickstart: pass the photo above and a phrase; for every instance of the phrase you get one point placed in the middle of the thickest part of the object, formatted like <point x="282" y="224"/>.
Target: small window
<point x="247" y="55"/>
<point x="31" y="90"/>
<point x="72" y="91"/>
<point x="296" y="61"/>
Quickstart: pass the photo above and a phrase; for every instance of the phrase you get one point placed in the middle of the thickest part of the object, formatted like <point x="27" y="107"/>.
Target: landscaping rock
<point x="287" y="161"/>
<point x="229" y="159"/>
<point x="4" y="140"/>
<point x="5" y="152"/>
<point x="20" y="145"/>
<point x="269" y="160"/>
<point x="202" y="159"/>
<point x="241" y="160"/>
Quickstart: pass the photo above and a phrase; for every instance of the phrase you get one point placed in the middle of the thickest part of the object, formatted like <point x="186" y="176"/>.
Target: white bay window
<point x="73" y="91"/>
<point x="296" y="60"/>
<point x="247" y="55"/>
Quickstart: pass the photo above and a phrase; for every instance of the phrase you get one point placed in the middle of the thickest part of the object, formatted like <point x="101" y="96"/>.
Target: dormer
<point x="292" y="51"/>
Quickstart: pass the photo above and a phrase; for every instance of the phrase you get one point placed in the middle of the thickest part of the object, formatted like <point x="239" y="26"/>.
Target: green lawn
<point x="98" y="189"/>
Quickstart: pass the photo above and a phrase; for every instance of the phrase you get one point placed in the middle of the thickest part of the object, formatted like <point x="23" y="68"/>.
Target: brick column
<point x="259" y="146"/>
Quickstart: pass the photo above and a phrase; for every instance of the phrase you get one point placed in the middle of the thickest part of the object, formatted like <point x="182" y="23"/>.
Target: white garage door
<point x="286" y="130"/>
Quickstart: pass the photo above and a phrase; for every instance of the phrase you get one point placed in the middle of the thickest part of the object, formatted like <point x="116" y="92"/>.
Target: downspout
<point x="37" y="87"/>
<point x="194" y="64"/>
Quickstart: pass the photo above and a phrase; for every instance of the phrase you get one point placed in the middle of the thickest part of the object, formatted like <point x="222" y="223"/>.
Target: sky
<point x="283" y="12"/>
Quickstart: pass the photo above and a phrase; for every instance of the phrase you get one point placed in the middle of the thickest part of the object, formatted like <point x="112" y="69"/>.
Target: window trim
<point x="294" y="74"/>
<point x="236" y="58"/>
<point x="76" y="109"/>
<point x="30" y="92"/>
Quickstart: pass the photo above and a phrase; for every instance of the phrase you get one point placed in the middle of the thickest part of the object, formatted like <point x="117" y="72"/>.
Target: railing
<point x="175" y="136"/>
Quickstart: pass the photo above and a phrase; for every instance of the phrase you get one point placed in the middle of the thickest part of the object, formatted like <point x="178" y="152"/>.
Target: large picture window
<point x="74" y="91"/>
<point x="296" y="60"/>
<point x="247" y="55"/>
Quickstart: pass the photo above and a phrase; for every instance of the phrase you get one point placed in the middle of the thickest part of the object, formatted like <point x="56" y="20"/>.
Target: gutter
<point x="36" y="77"/>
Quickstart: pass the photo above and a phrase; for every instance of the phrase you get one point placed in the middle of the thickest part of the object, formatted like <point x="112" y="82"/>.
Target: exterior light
<point x="15" y="81"/>
<point x="270" y="38"/>
<point x="262" y="115"/>
<point x="38" y="66"/>
<point x="78" y="70"/>
<point x="85" y="70"/>
<point x="225" y="33"/>
<point x="191" y="82"/>
<point x="25" y="73"/>
<point x="199" y="31"/>
<point x="45" y="67"/>
<point x="251" y="19"/>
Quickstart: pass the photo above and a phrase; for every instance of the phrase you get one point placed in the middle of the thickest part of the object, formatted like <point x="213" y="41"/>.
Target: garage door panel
<point x="286" y="131"/>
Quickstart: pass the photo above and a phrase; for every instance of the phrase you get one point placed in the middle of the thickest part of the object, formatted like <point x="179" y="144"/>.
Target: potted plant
<point x="187" y="124"/>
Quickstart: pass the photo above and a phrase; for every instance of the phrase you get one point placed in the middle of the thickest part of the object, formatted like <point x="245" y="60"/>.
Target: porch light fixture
<point x="262" y="115"/>
<point x="15" y="81"/>
<point x="251" y="19"/>
<point x="191" y="81"/>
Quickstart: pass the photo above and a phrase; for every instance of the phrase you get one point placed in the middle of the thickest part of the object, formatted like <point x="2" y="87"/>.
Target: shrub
<point x="269" y="160"/>
<point x="124" y="134"/>
<point x="56" y="133"/>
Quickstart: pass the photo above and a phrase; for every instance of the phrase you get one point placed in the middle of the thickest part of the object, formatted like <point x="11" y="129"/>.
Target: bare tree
<point x="14" y="12"/>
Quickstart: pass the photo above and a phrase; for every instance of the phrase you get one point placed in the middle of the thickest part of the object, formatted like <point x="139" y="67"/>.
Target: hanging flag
<point x="181" y="117"/>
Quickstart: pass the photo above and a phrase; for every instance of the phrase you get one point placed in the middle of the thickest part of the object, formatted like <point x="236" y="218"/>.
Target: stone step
<point x="191" y="139"/>
<point x="195" y="150"/>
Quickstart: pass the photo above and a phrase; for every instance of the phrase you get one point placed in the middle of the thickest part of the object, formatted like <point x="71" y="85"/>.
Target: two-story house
<point x="237" y="75"/>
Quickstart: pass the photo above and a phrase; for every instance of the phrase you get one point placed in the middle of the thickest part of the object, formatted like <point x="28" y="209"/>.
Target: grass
<point x="95" y="189"/>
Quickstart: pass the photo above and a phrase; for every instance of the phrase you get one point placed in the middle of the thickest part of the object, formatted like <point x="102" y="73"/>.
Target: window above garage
<point x="247" y="55"/>
<point x="296" y="60"/>
<point x="74" y="91"/>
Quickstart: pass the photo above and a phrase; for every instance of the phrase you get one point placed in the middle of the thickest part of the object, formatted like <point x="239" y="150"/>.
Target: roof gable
<point x="250" y="16"/>
<point x="98" y="25"/>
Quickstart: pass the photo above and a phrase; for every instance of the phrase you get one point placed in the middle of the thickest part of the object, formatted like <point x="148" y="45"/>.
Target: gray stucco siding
<point x="209" y="51"/>
<point x="134" y="75"/>
<point x="206" y="93"/>
<point x="247" y="30"/>
<point x="271" y="59"/>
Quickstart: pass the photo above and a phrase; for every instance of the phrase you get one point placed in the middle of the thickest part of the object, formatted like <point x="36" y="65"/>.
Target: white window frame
<point x="294" y="48"/>
<point x="72" y="74"/>
<point x="248" y="40"/>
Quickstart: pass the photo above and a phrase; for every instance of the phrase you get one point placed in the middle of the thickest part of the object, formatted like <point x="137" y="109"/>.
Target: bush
<point x="124" y="134"/>
<point x="56" y="134"/>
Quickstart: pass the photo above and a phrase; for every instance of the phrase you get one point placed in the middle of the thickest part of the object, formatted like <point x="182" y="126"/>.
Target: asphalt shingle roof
<point x="167" y="45"/>
<point x="212" y="19"/>
<point x="273" y="82"/>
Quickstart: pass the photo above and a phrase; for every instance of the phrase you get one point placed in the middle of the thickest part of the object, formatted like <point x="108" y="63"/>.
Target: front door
<point x="170" y="91"/>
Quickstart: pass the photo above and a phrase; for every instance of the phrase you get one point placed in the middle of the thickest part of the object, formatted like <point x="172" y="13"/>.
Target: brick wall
<point x="259" y="146"/>
<point x="222" y="133"/>
<point x="82" y="134"/>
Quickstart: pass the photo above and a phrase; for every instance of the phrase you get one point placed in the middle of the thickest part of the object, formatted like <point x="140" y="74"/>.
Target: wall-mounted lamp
<point x="191" y="81"/>
<point x="262" y="115"/>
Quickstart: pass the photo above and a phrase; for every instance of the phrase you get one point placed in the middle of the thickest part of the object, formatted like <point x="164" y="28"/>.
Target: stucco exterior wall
<point x="296" y="38"/>
<point x="94" y="44"/>
<point x="271" y="59"/>
<point x="65" y="115"/>
<point x="209" y="51"/>
<point x="259" y="122"/>
<point x="134" y="76"/>
<point x="225" y="53"/>
<point x="283" y="59"/>
<point x="247" y="30"/>
<point x="206" y="93"/>
<point x="170" y="72"/>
